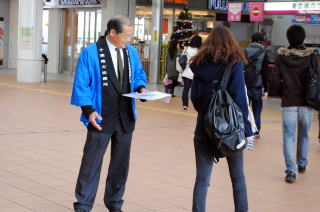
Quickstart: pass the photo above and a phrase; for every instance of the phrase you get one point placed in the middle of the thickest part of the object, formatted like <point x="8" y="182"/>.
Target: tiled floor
<point x="41" y="142"/>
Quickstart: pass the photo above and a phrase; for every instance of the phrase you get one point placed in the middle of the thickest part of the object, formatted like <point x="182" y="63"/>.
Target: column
<point x="281" y="23"/>
<point x="132" y="10"/>
<point x="29" y="60"/>
<point x="155" y="48"/>
<point x="54" y="40"/>
<point x="116" y="7"/>
<point x="13" y="31"/>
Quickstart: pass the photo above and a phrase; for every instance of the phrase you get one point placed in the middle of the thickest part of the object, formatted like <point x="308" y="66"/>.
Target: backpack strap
<point x="255" y="55"/>
<point x="225" y="77"/>
<point x="184" y="52"/>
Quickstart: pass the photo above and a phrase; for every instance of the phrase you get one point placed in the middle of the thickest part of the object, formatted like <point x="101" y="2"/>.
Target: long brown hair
<point x="220" y="46"/>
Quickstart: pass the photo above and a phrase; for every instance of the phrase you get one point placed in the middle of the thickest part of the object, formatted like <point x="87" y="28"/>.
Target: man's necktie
<point x="120" y="67"/>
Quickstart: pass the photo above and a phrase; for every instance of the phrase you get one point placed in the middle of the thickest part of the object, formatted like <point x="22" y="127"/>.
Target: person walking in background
<point x="292" y="64"/>
<point x="187" y="75"/>
<point x="1" y="46"/>
<point x="219" y="50"/>
<point x="256" y="75"/>
<point x="171" y="69"/>
<point x="105" y="71"/>
<point x="319" y="126"/>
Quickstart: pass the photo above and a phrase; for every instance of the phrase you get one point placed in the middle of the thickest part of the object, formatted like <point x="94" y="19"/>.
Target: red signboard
<point x="256" y="11"/>
<point x="177" y="1"/>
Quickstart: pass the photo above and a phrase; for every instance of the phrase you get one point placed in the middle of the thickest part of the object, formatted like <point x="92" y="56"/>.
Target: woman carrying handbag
<point x="187" y="75"/>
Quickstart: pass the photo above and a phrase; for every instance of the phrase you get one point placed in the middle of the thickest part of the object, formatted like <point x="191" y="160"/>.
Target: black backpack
<point x="251" y="75"/>
<point x="224" y="124"/>
<point x="313" y="82"/>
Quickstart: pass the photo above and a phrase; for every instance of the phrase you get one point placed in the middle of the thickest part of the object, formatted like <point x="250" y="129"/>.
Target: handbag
<point x="178" y="67"/>
<point x="166" y="81"/>
<point x="180" y="79"/>
<point x="183" y="59"/>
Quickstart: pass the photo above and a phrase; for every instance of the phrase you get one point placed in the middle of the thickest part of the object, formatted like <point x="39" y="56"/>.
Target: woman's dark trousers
<point x="185" y="94"/>
<point x="204" y="163"/>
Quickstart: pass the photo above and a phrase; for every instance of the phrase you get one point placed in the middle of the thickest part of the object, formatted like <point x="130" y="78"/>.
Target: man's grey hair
<point x="117" y="23"/>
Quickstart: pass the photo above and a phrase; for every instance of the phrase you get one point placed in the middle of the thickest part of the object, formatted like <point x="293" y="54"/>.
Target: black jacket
<point x="292" y="67"/>
<point x="201" y="91"/>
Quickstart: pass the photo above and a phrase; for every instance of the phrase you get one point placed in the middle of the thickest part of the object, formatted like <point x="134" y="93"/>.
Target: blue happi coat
<point x="87" y="86"/>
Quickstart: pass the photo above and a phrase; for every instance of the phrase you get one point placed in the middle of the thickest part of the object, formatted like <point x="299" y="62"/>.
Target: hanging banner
<point x="234" y="11"/>
<point x="256" y="11"/>
<point x="1" y="41"/>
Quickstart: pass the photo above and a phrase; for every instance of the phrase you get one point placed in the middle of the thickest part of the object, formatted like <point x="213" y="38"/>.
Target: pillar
<point x="155" y="48"/>
<point x="29" y="61"/>
<point x="54" y="40"/>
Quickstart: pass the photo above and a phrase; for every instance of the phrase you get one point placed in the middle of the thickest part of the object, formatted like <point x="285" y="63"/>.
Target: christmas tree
<point x="183" y="30"/>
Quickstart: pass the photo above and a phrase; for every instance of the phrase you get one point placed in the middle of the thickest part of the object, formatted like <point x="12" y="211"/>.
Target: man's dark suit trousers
<point x="89" y="174"/>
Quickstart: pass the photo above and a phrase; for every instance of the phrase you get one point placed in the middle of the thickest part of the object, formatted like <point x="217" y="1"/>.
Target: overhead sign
<point x="234" y="11"/>
<point x="303" y="7"/>
<point x="224" y="5"/>
<point x="71" y="3"/>
<point x="78" y="2"/>
<point x="256" y="11"/>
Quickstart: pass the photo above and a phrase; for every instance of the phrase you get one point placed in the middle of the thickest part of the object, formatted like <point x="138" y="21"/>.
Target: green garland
<point x="164" y="50"/>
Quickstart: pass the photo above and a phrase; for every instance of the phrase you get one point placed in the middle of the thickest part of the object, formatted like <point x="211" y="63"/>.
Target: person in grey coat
<point x="258" y="86"/>
<point x="171" y="69"/>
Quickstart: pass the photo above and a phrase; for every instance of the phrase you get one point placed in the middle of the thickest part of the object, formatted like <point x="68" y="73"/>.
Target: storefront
<point x="80" y="26"/>
<point x="284" y="14"/>
<point x="243" y="29"/>
<point x="202" y="18"/>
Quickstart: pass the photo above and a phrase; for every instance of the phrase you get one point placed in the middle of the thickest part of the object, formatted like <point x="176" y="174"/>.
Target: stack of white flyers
<point x="150" y="95"/>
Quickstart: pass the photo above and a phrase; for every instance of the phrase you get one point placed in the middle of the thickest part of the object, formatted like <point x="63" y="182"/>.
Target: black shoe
<point x="291" y="177"/>
<point x="302" y="169"/>
<point x="116" y="210"/>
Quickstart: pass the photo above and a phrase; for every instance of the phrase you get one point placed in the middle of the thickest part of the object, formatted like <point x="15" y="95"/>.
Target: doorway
<point x="81" y="28"/>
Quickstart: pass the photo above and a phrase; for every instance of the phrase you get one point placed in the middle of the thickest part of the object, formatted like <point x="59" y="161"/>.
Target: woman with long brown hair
<point x="219" y="50"/>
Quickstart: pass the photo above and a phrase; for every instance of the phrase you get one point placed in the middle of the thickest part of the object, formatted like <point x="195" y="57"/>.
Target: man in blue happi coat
<point x="105" y="71"/>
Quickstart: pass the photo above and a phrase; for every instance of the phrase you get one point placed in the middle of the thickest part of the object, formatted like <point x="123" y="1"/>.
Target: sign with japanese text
<point x="256" y="11"/>
<point x="303" y="7"/>
<point x="70" y="3"/>
<point x="234" y="11"/>
<point x="78" y="2"/>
